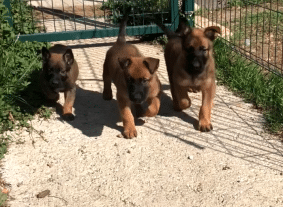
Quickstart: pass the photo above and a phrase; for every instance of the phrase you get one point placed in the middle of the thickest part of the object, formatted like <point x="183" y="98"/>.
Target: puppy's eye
<point x="204" y="49"/>
<point x="144" y="80"/>
<point x="63" y="73"/>
<point x="190" y="49"/>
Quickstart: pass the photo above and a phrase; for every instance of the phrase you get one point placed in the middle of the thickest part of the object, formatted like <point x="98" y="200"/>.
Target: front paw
<point x="205" y="126"/>
<point x="68" y="117"/>
<point x="130" y="132"/>
<point x="182" y="105"/>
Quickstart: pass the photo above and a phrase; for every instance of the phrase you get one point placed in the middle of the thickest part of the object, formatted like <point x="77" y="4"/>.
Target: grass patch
<point x="264" y="91"/>
<point x="20" y="64"/>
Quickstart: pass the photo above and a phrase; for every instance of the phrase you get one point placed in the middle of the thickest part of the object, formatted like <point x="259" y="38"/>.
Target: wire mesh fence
<point x="78" y="15"/>
<point x="251" y="27"/>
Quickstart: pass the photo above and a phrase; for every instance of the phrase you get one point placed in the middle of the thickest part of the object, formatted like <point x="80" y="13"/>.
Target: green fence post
<point x="9" y="17"/>
<point x="189" y="11"/>
<point x="174" y="14"/>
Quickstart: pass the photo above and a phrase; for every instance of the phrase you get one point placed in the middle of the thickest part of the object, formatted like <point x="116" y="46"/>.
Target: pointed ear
<point x="124" y="62"/>
<point x="45" y="54"/>
<point x="151" y="63"/>
<point x="183" y="27"/>
<point x="68" y="57"/>
<point x="210" y="32"/>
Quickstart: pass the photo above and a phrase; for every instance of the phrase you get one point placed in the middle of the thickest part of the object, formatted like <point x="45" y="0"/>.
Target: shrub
<point x="139" y="10"/>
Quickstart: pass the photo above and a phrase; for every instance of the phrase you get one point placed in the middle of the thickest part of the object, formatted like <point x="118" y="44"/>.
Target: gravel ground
<point x="85" y="163"/>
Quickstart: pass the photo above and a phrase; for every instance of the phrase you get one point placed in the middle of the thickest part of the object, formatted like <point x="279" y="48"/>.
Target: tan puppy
<point x="59" y="74"/>
<point x="135" y="79"/>
<point x="190" y="66"/>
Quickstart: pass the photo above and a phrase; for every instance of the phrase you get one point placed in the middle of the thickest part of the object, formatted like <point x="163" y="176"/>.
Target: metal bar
<point x="268" y="53"/>
<point x="74" y="15"/>
<point x="64" y="15"/>
<point x="262" y="34"/>
<point x="174" y="14"/>
<point x="94" y="13"/>
<point x="9" y="17"/>
<point x="256" y="32"/>
<point x="84" y="13"/>
<point x="42" y="17"/>
<point x="201" y="6"/>
<point x="86" y="34"/>
<point x="31" y="12"/>
<point x="53" y="16"/>
<point x="235" y="23"/>
<point x="277" y="25"/>
<point x="251" y="31"/>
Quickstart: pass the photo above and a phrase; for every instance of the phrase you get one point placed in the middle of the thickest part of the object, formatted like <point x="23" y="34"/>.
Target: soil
<point x="87" y="163"/>
<point x="264" y="42"/>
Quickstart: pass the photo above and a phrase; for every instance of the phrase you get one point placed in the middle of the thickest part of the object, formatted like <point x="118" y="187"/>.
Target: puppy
<point x="135" y="79"/>
<point x="59" y="74"/>
<point x="190" y="66"/>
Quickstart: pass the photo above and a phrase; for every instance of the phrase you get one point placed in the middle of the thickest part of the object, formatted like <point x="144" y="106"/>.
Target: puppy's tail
<point x="166" y="30"/>
<point x="123" y="26"/>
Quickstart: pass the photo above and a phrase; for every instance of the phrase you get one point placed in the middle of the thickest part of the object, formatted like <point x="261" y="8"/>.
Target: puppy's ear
<point x="68" y="57"/>
<point x="183" y="27"/>
<point x="124" y="62"/>
<point x="210" y="32"/>
<point x="151" y="63"/>
<point x="45" y="54"/>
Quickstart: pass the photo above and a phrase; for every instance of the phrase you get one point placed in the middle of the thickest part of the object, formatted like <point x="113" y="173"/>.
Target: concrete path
<point x="84" y="163"/>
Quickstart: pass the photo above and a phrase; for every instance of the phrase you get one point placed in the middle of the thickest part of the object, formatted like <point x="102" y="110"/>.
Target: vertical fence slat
<point x="174" y="14"/>
<point x="7" y="4"/>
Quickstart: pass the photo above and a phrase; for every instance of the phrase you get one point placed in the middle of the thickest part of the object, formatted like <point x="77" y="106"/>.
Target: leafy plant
<point x="20" y="63"/>
<point x="264" y="91"/>
<point x="140" y="9"/>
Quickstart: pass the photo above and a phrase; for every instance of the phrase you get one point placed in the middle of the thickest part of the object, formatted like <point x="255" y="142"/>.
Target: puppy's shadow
<point x="93" y="113"/>
<point x="166" y="109"/>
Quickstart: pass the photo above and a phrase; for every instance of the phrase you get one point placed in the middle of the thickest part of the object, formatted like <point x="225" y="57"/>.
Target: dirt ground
<point x="85" y="162"/>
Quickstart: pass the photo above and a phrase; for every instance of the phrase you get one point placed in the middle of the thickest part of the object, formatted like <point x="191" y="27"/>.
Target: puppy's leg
<point x="127" y="117"/>
<point x="51" y="96"/>
<point x="70" y="96"/>
<point x="139" y="110"/>
<point x="181" y="99"/>
<point x="205" y="110"/>
<point x="153" y="106"/>
<point x="107" y="91"/>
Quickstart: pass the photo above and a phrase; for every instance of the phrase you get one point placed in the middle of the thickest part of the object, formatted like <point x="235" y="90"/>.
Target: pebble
<point x="190" y="157"/>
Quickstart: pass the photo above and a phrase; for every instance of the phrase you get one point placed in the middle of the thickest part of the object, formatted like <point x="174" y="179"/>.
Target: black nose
<point x="55" y="83"/>
<point x="138" y="98"/>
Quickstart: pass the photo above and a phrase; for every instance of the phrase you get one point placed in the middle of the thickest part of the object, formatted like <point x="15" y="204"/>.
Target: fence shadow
<point x="73" y="17"/>
<point x="93" y="113"/>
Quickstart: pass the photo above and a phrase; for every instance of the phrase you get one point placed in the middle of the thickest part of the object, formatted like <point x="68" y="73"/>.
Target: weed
<point x="20" y="64"/>
<point x="264" y="91"/>
<point x="139" y="9"/>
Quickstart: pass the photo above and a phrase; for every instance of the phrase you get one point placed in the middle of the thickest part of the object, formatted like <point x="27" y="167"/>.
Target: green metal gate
<point x="88" y="20"/>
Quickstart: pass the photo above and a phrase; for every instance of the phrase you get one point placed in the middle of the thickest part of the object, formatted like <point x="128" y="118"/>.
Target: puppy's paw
<point x="68" y="117"/>
<point x="205" y="127"/>
<point x="192" y="90"/>
<point x="183" y="104"/>
<point x="107" y="96"/>
<point x="130" y="133"/>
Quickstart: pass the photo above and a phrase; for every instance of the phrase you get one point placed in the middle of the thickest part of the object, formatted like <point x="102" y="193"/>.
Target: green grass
<point x="20" y="63"/>
<point x="243" y="3"/>
<point x="244" y="78"/>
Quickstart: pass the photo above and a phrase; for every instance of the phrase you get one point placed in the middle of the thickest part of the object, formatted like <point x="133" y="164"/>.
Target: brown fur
<point x="59" y="66"/>
<point x="124" y="61"/>
<point x="182" y="80"/>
